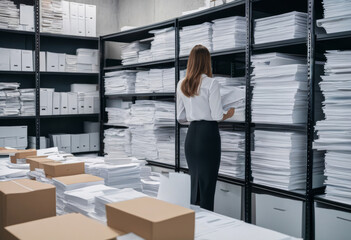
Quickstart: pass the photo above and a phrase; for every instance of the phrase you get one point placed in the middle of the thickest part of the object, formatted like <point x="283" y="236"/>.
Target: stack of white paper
<point x="27" y="97"/>
<point x="142" y="83"/>
<point x="118" y="116"/>
<point x="194" y="35"/>
<point x="156" y="80"/>
<point x="183" y="163"/>
<point x="165" y="144"/>
<point x="164" y="114"/>
<point x="145" y="56"/>
<point x="119" y="82"/>
<point x="144" y="142"/>
<point x="279" y="159"/>
<point x="233" y="154"/>
<point x="71" y="63"/>
<point x="117" y="142"/>
<point x="9" y="15"/>
<point x="9" y="171"/>
<point x="82" y="200"/>
<point x="229" y="33"/>
<point x="9" y="99"/>
<point x="51" y="16"/>
<point x="279" y="88"/>
<point x="337" y="16"/>
<point x="87" y="60"/>
<point x="163" y="45"/>
<point x="130" y="52"/>
<point x="281" y="27"/>
<point x="150" y="181"/>
<point x="168" y="79"/>
<point x="334" y="132"/>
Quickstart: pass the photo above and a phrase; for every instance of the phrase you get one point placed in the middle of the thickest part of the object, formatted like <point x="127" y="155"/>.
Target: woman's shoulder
<point x="208" y="81"/>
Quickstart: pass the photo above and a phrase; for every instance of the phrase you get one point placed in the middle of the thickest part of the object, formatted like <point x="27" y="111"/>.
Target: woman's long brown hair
<point x="199" y="62"/>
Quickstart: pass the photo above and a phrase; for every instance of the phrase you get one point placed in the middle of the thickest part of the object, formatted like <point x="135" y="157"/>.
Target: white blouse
<point x="205" y="106"/>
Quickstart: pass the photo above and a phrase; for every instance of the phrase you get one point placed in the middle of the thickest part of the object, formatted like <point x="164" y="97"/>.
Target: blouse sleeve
<point x="181" y="115"/>
<point x="215" y="102"/>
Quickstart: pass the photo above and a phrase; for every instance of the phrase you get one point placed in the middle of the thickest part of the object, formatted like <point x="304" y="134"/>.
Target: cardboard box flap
<point x="151" y="209"/>
<point x="80" y="178"/>
<point x="63" y="169"/>
<point x="69" y="226"/>
<point x="25" y="153"/>
<point x="37" y="159"/>
<point x="22" y="186"/>
<point x="5" y="151"/>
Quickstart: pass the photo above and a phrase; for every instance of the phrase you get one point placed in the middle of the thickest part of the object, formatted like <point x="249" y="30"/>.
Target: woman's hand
<point x="229" y="114"/>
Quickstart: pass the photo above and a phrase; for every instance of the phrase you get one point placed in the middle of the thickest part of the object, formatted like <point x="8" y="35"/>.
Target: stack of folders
<point x="229" y="33"/>
<point x="281" y="27"/>
<point x="333" y="132"/>
<point x="51" y="16"/>
<point x="9" y="15"/>
<point x="117" y="142"/>
<point x="9" y="99"/>
<point x="130" y="52"/>
<point x="27" y="97"/>
<point x="337" y="16"/>
<point x="233" y="154"/>
<point x="279" y="84"/>
<point x="194" y="35"/>
<point x="279" y="159"/>
<point x="118" y="196"/>
<point x="119" y="82"/>
<point x="163" y="45"/>
<point x="82" y="200"/>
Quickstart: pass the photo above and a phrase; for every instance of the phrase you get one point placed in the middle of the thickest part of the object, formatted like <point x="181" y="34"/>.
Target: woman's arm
<point x="181" y="114"/>
<point x="229" y="114"/>
<point x="215" y="101"/>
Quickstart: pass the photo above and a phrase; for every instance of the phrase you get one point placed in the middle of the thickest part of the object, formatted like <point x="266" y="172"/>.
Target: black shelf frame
<point x="306" y="46"/>
<point x="37" y="36"/>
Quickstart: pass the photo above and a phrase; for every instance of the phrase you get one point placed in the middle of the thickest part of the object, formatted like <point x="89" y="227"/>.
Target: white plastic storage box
<point x="228" y="200"/>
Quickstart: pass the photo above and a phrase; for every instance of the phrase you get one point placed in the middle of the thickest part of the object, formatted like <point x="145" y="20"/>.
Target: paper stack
<point x="51" y="16"/>
<point x="164" y="114"/>
<point x="156" y="80"/>
<point x="334" y="132"/>
<point x="118" y="116"/>
<point x="9" y="15"/>
<point x="281" y="27"/>
<point x="142" y="83"/>
<point x="165" y="144"/>
<point x="229" y="33"/>
<point x="130" y="52"/>
<point x="279" y="88"/>
<point x="144" y="142"/>
<point x="10" y="171"/>
<point x="337" y="16"/>
<point x="279" y="159"/>
<point x="233" y="154"/>
<point x="145" y="56"/>
<point x="163" y="45"/>
<point x="183" y="162"/>
<point x="119" y="82"/>
<point x="194" y="35"/>
<point x="9" y="99"/>
<point x="27" y="97"/>
<point x="71" y="63"/>
<point x="150" y="181"/>
<point x="117" y="142"/>
<point x="87" y="60"/>
<point x="168" y="79"/>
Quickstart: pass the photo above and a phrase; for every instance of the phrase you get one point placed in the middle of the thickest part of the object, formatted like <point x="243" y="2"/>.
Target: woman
<point x="199" y="102"/>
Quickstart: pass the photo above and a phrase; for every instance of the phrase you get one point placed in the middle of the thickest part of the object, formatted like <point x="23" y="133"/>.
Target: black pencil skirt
<point x="203" y="155"/>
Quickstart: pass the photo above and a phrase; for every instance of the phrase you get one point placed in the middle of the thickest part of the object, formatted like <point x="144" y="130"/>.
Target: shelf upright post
<point x="37" y="71"/>
<point x="248" y="52"/>
<point x="102" y="94"/>
<point x="309" y="211"/>
<point x="177" y="69"/>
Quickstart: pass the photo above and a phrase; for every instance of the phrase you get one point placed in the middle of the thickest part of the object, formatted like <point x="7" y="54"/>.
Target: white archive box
<point x="61" y="62"/>
<point x="81" y="19"/>
<point x="27" y="17"/>
<point x="56" y="103"/>
<point x="46" y="97"/>
<point x="27" y="60"/>
<point x="42" y="62"/>
<point x="84" y="142"/>
<point x="65" y="143"/>
<point x="81" y="97"/>
<point x="331" y="223"/>
<point x="228" y="200"/>
<point x="94" y="141"/>
<point x="75" y="143"/>
<point x="72" y="103"/>
<point x="65" y="18"/>
<point x="52" y="62"/>
<point x="15" y="60"/>
<point x="280" y="214"/>
<point x="5" y="59"/>
<point x="64" y="103"/>
<point x="88" y="104"/>
<point x="73" y="10"/>
<point x="90" y="17"/>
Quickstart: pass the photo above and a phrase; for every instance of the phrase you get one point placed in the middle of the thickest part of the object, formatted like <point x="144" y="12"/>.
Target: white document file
<point x="56" y="106"/>
<point x="46" y="97"/>
<point x="73" y="8"/>
<point x="66" y="16"/>
<point x="90" y="17"/>
<point x="75" y="143"/>
<point x="94" y="141"/>
<point x="42" y="58"/>
<point x="27" y="17"/>
<point x="52" y="60"/>
<point x="72" y="103"/>
<point x="5" y="59"/>
<point x="15" y="60"/>
<point x="81" y="19"/>
<point x="61" y="62"/>
<point x="64" y="103"/>
<point x="88" y="104"/>
<point x="65" y="143"/>
<point x="84" y="142"/>
<point x="27" y="60"/>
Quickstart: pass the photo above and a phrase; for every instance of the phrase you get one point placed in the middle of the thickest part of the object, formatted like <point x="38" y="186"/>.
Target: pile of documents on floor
<point x="229" y="33"/>
<point x="279" y="84"/>
<point x="281" y="27"/>
<point x="337" y="16"/>
<point x="333" y="132"/>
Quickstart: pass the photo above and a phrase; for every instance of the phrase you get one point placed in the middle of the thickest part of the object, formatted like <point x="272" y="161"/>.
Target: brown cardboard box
<point x="59" y="169"/>
<point x="23" y="154"/>
<point x="34" y="162"/>
<point x="152" y="219"/>
<point x="72" y="226"/>
<point x="5" y="151"/>
<point x="79" y="178"/>
<point x="25" y="200"/>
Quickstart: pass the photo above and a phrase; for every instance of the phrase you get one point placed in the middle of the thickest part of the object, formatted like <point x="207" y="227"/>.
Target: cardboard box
<point x="70" y="226"/>
<point x="79" y="178"/>
<point x="58" y="169"/>
<point x="25" y="200"/>
<point x="34" y="162"/>
<point x="22" y="155"/>
<point x="152" y="219"/>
